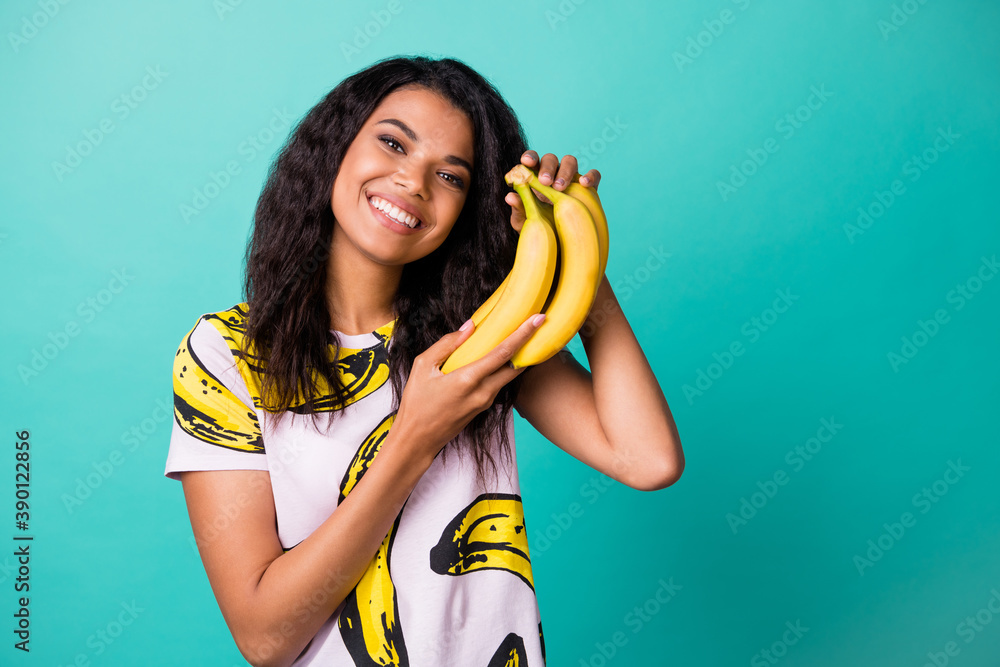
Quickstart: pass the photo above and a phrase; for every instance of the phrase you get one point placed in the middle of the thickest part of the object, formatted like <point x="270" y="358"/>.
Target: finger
<point x="591" y="178"/>
<point x="517" y="214"/>
<point x="499" y="356"/>
<point x="448" y="343"/>
<point x="529" y="158"/>
<point x="547" y="170"/>
<point x="567" y="170"/>
<point x="542" y="198"/>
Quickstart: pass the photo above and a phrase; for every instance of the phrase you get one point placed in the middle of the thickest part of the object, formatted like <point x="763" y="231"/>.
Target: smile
<point x="394" y="214"/>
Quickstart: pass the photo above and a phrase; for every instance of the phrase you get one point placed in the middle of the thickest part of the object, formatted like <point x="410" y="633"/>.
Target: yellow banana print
<point x="364" y="456"/>
<point x="510" y="653"/>
<point x="369" y="621"/>
<point x="489" y="534"/>
<point x="203" y="406"/>
<point x="361" y="371"/>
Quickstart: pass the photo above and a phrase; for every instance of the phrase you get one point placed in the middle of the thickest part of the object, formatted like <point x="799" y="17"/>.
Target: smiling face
<point x="415" y="152"/>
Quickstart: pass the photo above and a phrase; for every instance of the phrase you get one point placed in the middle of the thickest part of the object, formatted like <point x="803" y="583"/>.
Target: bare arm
<point x="275" y="602"/>
<point x="616" y="420"/>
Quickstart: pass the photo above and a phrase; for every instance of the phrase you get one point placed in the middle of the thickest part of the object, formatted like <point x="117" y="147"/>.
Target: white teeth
<point x="394" y="212"/>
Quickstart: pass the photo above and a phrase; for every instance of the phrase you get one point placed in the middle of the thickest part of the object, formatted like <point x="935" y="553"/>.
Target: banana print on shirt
<point x="202" y="403"/>
<point x="369" y="622"/>
<point x="489" y="534"/>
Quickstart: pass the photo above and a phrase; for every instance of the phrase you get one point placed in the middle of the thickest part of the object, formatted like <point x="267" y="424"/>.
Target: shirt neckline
<point x="363" y="340"/>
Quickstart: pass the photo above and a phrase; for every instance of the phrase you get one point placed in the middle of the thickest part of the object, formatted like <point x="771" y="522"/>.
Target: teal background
<point x="568" y="70"/>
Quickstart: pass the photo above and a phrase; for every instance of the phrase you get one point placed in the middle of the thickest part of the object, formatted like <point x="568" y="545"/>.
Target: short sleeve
<point x="215" y="424"/>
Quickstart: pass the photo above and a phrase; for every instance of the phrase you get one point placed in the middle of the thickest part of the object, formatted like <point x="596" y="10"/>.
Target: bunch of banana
<point x="579" y="241"/>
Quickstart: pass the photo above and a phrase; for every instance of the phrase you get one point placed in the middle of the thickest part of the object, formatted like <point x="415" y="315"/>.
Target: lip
<point x="391" y="224"/>
<point x="398" y="203"/>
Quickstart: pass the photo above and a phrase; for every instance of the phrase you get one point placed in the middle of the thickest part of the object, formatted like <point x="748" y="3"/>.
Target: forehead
<point x="431" y="116"/>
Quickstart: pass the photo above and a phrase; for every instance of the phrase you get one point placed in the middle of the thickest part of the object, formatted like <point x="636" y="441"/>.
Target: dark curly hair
<point x="293" y="226"/>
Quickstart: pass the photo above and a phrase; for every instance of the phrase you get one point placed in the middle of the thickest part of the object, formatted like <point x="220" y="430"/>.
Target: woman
<point x="336" y="482"/>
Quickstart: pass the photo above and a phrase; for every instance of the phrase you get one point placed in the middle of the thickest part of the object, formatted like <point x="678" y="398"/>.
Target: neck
<point x="359" y="292"/>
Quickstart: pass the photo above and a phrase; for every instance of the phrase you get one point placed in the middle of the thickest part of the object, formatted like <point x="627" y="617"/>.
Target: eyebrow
<point x="450" y="159"/>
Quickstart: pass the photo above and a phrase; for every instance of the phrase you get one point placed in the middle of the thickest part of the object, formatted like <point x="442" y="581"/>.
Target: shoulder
<point x="214" y="346"/>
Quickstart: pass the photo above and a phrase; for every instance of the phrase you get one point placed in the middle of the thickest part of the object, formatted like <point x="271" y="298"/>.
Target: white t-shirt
<point x="451" y="583"/>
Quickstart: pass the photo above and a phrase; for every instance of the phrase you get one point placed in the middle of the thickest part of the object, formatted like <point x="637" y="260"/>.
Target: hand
<point x="435" y="406"/>
<point x="550" y="165"/>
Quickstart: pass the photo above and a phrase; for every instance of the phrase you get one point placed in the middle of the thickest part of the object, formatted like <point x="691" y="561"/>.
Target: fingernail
<point x="560" y="182"/>
<point x="538" y="319"/>
<point x="468" y="323"/>
<point x="584" y="180"/>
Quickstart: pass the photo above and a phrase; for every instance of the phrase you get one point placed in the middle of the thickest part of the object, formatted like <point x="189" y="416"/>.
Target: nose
<point x="411" y="178"/>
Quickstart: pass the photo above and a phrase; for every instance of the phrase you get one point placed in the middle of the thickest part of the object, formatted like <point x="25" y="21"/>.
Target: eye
<point x="389" y="141"/>
<point x="455" y="180"/>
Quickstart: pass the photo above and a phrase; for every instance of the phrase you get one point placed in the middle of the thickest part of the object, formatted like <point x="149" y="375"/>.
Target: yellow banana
<point x="527" y="289"/>
<point x="489" y="534"/>
<point x="487" y="306"/>
<point x="579" y="276"/>
<point x="590" y="199"/>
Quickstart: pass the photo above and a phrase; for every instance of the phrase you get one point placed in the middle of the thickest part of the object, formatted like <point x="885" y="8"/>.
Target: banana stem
<point x="532" y="207"/>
